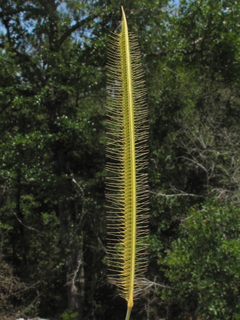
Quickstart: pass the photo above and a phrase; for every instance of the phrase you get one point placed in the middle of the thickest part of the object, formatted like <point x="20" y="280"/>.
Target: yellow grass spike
<point x="127" y="190"/>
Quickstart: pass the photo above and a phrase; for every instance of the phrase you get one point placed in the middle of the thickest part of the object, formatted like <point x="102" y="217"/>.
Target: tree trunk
<point x="75" y="282"/>
<point x="74" y="265"/>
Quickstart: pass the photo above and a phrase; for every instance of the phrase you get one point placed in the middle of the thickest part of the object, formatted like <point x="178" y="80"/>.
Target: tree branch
<point x="29" y="228"/>
<point x="176" y="194"/>
<point x="76" y="26"/>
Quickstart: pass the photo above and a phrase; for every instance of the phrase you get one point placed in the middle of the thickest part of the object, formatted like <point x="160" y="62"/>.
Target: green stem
<point x="128" y="313"/>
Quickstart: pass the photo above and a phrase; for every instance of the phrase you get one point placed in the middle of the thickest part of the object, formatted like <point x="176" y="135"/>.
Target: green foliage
<point x="203" y="265"/>
<point x="68" y="315"/>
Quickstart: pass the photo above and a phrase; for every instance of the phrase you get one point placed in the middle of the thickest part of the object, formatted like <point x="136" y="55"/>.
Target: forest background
<point x="53" y="58"/>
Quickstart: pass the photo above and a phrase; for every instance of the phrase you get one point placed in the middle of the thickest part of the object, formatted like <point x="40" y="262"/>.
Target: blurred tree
<point x="51" y="142"/>
<point x="193" y="99"/>
<point x="204" y="264"/>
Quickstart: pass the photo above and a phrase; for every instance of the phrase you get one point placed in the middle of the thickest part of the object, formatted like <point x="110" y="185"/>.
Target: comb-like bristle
<point x="127" y="190"/>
